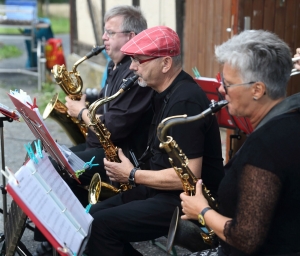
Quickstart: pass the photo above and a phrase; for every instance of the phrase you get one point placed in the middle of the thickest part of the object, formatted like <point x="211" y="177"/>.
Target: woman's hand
<point x="193" y="205"/>
<point x="118" y="171"/>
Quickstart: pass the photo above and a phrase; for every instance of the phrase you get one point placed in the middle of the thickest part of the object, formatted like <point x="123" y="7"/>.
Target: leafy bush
<point x="60" y="25"/>
<point x="9" y="51"/>
<point x="48" y="91"/>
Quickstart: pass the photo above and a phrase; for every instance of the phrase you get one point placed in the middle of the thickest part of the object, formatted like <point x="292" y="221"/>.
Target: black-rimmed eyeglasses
<point x="137" y="60"/>
<point x="230" y="85"/>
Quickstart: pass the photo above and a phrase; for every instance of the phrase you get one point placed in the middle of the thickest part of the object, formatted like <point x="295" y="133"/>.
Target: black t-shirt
<point x="200" y="138"/>
<point x="127" y="117"/>
<point x="264" y="201"/>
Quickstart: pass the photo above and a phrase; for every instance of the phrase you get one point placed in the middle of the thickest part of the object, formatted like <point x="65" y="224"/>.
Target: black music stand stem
<point x="4" y="192"/>
<point x="20" y="247"/>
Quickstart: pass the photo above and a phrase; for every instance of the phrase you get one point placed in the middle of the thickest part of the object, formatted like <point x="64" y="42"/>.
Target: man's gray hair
<point x="259" y="56"/>
<point x="134" y="19"/>
<point x="177" y="60"/>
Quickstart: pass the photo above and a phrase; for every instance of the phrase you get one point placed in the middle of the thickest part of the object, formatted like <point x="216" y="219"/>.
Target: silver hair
<point x="134" y="19"/>
<point x="259" y="56"/>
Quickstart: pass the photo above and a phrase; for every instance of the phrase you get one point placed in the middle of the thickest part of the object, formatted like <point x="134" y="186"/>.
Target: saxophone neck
<point x="78" y="62"/>
<point x="168" y="122"/>
<point x="125" y="86"/>
<point x="98" y="103"/>
<point x="95" y="51"/>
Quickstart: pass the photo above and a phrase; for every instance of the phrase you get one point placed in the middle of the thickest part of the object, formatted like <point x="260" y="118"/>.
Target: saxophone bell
<point x="99" y="190"/>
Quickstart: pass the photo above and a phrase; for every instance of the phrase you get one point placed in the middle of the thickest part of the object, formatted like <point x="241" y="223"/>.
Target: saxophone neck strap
<point x="162" y="110"/>
<point x="149" y="151"/>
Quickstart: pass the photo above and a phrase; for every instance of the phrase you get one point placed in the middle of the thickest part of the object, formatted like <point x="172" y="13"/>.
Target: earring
<point x="254" y="98"/>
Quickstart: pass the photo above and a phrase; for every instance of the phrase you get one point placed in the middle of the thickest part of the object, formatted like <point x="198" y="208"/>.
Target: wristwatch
<point x="79" y="117"/>
<point x="131" y="178"/>
<point x="201" y="215"/>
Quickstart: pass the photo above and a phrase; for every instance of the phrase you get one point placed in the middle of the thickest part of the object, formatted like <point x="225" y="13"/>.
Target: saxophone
<point x="179" y="162"/>
<point x="71" y="83"/>
<point x="110" y="150"/>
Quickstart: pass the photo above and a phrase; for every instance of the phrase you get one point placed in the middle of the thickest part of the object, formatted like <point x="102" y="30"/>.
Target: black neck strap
<point x="162" y="110"/>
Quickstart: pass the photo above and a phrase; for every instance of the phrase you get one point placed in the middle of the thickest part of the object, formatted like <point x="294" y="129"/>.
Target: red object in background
<point x="54" y="53"/>
<point x="210" y="87"/>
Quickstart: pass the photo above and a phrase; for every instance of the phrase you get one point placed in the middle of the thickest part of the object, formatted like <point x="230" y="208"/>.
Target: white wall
<point x="159" y="12"/>
<point x="111" y="3"/>
<point x="84" y="23"/>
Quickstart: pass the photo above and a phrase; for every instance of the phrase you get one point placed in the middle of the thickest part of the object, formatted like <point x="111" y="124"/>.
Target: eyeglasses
<point x="137" y="60"/>
<point x="226" y="86"/>
<point x="110" y="33"/>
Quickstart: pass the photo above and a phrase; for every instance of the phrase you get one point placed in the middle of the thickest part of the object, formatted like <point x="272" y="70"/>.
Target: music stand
<point x="18" y="218"/>
<point x="4" y="192"/>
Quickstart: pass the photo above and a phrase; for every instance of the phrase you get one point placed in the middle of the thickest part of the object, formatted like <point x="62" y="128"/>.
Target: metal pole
<point x="4" y="192"/>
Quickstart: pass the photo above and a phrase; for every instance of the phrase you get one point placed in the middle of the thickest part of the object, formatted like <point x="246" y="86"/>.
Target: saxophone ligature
<point x="110" y="150"/>
<point x="71" y="83"/>
<point x="188" y="230"/>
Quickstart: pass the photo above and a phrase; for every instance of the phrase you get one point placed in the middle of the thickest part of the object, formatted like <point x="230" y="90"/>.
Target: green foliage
<point x="9" y="51"/>
<point x="49" y="89"/>
<point x="60" y="25"/>
<point x="10" y="31"/>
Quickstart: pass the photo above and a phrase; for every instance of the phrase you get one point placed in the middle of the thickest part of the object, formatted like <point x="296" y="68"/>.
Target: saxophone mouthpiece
<point x="95" y="51"/>
<point x="216" y="106"/>
<point x="128" y="83"/>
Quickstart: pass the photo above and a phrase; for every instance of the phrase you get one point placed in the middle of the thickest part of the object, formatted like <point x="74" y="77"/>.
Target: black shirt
<point x="200" y="138"/>
<point x="264" y="202"/>
<point x="126" y="117"/>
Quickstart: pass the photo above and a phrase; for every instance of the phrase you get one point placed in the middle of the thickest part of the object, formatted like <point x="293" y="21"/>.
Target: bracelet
<point x="131" y="178"/>
<point x="79" y="117"/>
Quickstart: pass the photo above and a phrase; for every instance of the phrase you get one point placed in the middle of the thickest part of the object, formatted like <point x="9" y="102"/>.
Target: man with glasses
<point x="144" y="212"/>
<point x="127" y="117"/>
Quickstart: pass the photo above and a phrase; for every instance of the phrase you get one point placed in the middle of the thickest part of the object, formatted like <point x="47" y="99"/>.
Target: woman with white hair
<point x="259" y="197"/>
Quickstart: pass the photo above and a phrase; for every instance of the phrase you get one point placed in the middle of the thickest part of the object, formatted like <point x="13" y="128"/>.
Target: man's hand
<point x="297" y="63"/>
<point x="74" y="106"/>
<point x="193" y="205"/>
<point x="118" y="172"/>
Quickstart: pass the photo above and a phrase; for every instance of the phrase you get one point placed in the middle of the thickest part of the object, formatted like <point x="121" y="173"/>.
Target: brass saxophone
<point x="110" y="150"/>
<point x="72" y="84"/>
<point x="179" y="162"/>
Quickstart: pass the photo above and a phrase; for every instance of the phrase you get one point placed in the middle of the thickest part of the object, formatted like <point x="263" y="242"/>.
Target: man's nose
<point x="133" y="66"/>
<point x="105" y="36"/>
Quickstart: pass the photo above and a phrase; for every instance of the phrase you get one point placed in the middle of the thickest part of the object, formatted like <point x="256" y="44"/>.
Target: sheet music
<point x="31" y="115"/>
<point x="76" y="162"/>
<point x="22" y="96"/>
<point x="50" y="199"/>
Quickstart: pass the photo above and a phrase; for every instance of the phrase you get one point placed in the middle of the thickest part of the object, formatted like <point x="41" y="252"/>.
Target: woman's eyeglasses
<point x="230" y="85"/>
